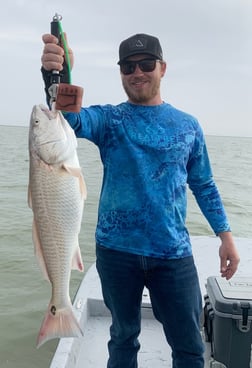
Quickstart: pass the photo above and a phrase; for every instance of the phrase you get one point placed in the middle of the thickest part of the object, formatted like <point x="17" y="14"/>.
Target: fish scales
<point x="55" y="213"/>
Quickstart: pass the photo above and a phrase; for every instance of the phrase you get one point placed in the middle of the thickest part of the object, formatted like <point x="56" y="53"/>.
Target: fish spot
<point x="53" y="310"/>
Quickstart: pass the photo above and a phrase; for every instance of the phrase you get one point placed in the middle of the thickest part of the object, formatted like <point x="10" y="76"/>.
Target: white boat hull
<point x="90" y="351"/>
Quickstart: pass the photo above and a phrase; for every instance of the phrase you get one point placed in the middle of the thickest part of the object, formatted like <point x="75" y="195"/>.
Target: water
<point x="24" y="294"/>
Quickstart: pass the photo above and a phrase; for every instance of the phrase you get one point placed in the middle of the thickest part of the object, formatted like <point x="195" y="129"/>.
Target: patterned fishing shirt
<point x="149" y="154"/>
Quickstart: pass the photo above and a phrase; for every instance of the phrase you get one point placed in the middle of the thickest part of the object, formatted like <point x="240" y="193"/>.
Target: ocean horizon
<point x="24" y="294"/>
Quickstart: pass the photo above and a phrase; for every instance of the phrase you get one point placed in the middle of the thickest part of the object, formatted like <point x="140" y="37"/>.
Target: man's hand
<point x="53" y="53"/>
<point x="229" y="257"/>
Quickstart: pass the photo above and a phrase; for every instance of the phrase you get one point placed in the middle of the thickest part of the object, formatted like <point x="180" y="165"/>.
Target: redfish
<point x="56" y="195"/>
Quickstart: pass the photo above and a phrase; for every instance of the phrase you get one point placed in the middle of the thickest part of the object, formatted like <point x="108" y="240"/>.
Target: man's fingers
<point x="52" y="57"/>
<point x="228" y="269"/>
<point x="53" y="53"/>
<point x="49" y="38"/>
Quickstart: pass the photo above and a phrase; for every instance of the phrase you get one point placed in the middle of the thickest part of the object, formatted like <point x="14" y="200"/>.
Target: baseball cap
<point x="140" y="43"/>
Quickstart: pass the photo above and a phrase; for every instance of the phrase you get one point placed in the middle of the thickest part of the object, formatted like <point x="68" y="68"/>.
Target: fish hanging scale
<point x="64" y="96"/>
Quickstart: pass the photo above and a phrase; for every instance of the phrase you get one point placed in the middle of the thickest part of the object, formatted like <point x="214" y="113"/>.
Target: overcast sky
<point x="207" y="45"/>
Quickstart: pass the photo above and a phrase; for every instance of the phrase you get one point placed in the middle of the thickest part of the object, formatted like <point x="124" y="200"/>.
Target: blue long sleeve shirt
<point x="149" y="155"/>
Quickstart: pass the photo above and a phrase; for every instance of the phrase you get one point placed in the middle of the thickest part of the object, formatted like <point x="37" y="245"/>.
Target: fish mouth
<point x="49" y="113"/>
<point x="40" y="110"/>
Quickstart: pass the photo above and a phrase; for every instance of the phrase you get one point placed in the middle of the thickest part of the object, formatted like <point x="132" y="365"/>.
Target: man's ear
<point x="163" y="68"/>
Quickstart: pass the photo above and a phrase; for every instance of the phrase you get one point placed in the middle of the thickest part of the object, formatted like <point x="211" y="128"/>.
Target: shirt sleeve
<point x="204" y="188"/>
<point x="89" y="123"/>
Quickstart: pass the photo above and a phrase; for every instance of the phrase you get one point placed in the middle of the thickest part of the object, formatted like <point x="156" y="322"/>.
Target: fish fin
<point x="83" y="187"/>
<point x="29" y="197"/>
<point x="38" y="251"/>
<point x="77" y="263"/>
<point x="58" y="323"/>
<point x="76" y="171"/>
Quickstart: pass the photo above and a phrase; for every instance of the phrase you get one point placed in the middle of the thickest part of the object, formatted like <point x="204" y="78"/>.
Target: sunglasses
<point x="145" y="65"/>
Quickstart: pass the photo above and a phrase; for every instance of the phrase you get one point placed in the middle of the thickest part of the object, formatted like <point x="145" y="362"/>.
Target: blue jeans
<point x="176" y="302"/>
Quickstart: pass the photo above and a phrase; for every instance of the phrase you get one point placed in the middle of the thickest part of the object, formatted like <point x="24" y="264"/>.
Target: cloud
<point x="206" y="45"/>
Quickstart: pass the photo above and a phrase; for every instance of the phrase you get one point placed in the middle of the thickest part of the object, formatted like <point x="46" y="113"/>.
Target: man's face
<point x="142" y="87"/>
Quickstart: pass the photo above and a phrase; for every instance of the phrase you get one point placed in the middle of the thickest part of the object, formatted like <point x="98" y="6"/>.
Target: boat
<point x="90" y="351"/>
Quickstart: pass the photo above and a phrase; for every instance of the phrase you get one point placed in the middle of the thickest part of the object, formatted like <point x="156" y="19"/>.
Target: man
<point x="150" y="152"/>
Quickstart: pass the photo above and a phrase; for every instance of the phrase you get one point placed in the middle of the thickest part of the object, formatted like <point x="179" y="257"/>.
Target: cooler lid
<point x="231" y="297"/>
<point x="236" y="288"/>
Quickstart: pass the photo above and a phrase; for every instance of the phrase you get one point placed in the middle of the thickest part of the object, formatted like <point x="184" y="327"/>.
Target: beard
<point x="143" y="96"/>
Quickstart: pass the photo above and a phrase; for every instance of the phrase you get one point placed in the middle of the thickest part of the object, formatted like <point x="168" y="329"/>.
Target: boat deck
<point x="90" y="351"/>
<point x="97" y="335"/>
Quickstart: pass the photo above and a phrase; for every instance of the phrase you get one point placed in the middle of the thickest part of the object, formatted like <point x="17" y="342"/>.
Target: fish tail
<point x="58" y="323"/>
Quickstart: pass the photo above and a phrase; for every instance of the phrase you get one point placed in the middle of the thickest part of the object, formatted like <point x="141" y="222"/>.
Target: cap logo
<point x="139" y="43"/>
